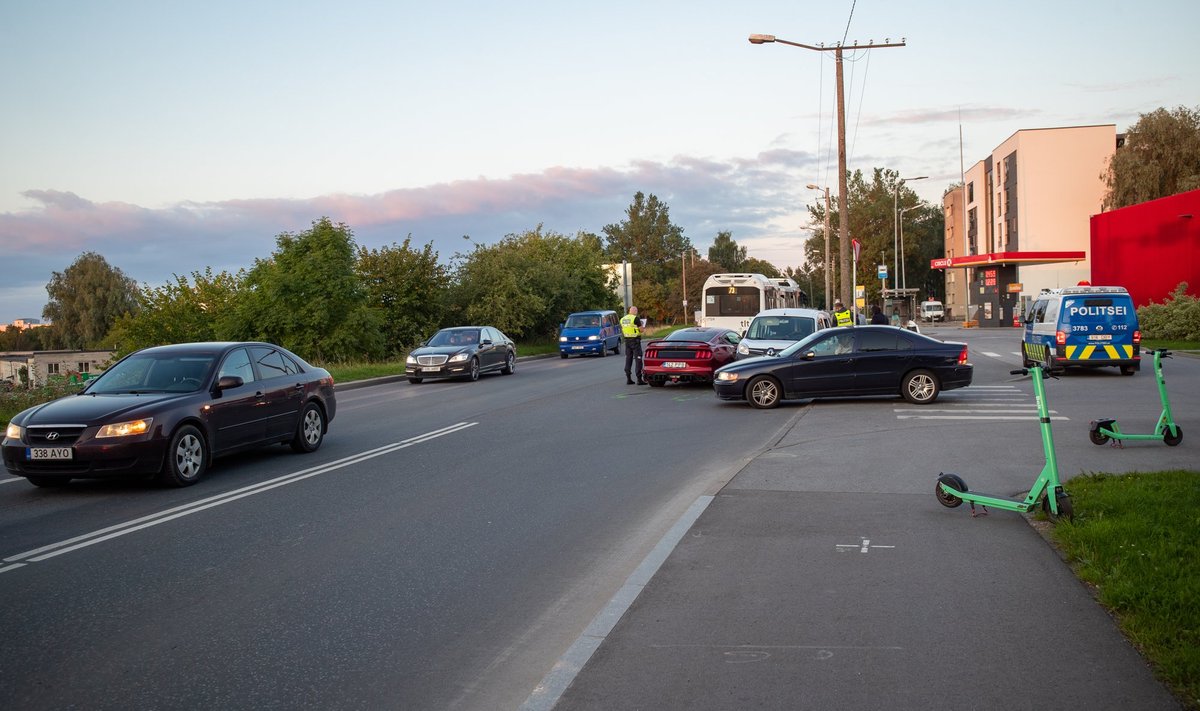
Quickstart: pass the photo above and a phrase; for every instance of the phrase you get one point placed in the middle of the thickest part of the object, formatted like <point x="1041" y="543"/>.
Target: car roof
<point x="797" y="311"/>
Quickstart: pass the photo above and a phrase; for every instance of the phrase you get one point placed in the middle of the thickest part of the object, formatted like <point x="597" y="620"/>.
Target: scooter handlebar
<point x="1025" y="371"/>
<point x="1163" y="352"/>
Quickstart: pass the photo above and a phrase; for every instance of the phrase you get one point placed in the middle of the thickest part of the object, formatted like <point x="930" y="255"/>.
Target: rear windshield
<point x="1097" y="308"/>
<point x="781" y="328"/>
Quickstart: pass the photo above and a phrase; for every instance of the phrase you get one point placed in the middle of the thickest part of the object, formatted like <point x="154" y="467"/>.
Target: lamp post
<point x="843" y="214"/>
<point x="903" y="275"/>
<point x="896" y="244"/>
<point x="827" y="266"/>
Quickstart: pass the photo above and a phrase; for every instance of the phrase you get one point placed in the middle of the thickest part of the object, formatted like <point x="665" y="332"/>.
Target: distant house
<point x="41" y="367"/>
<point x="23" y="323"/>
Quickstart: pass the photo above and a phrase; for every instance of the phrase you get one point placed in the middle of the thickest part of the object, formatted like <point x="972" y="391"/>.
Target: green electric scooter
<point x="951" y="490"/>
<point x="1102" y="431"/>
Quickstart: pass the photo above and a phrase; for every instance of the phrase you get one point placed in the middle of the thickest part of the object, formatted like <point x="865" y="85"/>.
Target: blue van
<point x="1082" y="326"/>
<point x="595" y="332"/>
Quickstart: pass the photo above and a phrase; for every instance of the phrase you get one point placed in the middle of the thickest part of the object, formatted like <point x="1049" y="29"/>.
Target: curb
<point x="385" y="379"/>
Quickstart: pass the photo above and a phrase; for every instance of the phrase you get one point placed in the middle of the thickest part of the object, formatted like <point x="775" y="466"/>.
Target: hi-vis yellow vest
<point x="629" y="326"/>
<point x="843" y="317"/>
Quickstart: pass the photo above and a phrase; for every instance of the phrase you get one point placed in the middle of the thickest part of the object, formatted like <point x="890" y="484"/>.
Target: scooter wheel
<point x="1098" y="437"/>
<point x="1172" y="441"/>
<point x="954" y="482"/>
<point x="1065" y="509"/>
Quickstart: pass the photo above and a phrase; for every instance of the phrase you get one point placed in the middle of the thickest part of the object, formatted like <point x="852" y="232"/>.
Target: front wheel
<point x="473" y="372"/>
<point x="510" y="364"/>
<point x="310" y="432"/>
<point x="953" y="481"/>
<point x="1063" y="501"/>
<point x="763" y="393"/>
<point x="1172" y="441"/>
<point x="187" y="458"/>
<point x="415" y="381"/>
<point x="603" y="349"/>
<point x="920" y="387"/>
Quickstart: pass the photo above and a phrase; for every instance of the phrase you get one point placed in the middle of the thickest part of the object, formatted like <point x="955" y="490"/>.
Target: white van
<point x="773" y="330"/>
<point x="932" y="311"/>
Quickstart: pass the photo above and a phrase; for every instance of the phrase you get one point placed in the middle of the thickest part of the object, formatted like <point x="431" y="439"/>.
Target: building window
<point x="83" y="367"/>
<point x="971" y="192"/>
<point x="52" y="368"/>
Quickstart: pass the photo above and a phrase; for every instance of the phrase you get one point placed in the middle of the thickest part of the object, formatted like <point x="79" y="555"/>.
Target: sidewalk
<point x="788" y="593"/>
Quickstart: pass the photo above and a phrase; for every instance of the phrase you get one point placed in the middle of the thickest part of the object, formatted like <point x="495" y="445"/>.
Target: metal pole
<point x="896" y="233"/>
<point x="828" y="256"/>
<point x="843" y="211"/>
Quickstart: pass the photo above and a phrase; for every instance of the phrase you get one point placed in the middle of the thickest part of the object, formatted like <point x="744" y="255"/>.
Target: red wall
<point x="1149" y="248"/>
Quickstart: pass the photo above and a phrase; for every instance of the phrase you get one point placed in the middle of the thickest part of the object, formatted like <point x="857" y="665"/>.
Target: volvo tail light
<point x="962" y="357"/>
<point x="1060" y="338"/>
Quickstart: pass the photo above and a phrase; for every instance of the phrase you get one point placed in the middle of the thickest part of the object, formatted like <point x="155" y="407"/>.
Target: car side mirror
<point x="486" y="342"/>
<point x="226" y="382"/>
<point x="810" y="355"/>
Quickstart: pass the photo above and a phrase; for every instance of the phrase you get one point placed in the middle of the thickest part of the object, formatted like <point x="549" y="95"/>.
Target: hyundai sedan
<point x="169" y="410"/>
<point x="849" y="361"/>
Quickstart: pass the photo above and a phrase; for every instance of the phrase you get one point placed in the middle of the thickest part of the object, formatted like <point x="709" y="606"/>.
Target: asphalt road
<point x="451" y="541"/>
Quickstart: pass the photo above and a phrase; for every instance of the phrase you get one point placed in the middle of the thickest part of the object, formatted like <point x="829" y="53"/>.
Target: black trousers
<point x="633" y="357"/>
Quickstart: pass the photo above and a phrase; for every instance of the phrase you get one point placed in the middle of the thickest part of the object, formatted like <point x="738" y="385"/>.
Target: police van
<point x="1082" y="326"/>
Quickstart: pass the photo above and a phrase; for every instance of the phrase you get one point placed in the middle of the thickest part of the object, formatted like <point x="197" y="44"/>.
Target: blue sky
<point x="173" y="136"/>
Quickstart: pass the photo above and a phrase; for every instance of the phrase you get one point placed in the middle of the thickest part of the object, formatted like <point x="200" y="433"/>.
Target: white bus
<point x="791" y="296"/>
<point x="733" y="300"/>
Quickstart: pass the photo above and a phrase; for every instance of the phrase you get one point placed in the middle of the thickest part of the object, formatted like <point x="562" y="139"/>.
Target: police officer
<point x="633" y="346"/>
<point x="841" y="314"/>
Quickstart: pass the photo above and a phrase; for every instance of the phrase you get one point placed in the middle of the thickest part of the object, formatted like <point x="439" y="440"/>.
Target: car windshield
<point x="689" y="334"/>
<point x="155" y="373"/>
<point x="800" y="345"/>
<point x="455" y="337"/>
<point x="583" y="321"/>
<point x="781" y="328"/>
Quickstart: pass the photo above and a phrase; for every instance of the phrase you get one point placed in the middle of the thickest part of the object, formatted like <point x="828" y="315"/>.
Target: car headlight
<point x="459" y="357"/>
<point x="562" y="339"/>
<point x="593" y="338"/>
<point x="743" y="349"/>
<point x="727" y="377"/>
<point x="125" y="429"/>
<point x="411" y="360"/>
<point x="12" y="431"/>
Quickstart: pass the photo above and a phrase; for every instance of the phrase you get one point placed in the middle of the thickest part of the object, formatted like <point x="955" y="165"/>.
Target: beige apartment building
<point x="1021" y="223"/>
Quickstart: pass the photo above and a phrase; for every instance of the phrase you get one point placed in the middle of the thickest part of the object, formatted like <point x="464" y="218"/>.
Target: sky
<point x="170" y="137"/>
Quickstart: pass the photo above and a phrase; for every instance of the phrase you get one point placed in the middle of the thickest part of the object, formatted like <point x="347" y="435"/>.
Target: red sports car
<point x="689" y="355"/>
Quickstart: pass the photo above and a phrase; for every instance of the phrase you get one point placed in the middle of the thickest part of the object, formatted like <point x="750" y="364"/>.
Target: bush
<point x="1175" y="319"/>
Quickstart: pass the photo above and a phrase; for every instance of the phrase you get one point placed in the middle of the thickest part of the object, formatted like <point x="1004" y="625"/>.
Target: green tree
<point x="181" y="312"/>
<point x="648" y="239"/>
<point x="1161" y="157"/>
<point x="527" y="283"/>
<point x="754" y="265"/>
<point x="726" y="253"/>
<point x="407" y="288"/>
<point x="307" y="297"/>
<point x="86" y="299"/>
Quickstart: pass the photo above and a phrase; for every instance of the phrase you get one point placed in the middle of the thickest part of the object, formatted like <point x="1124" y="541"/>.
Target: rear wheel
<point x="763" y="392"/>
<point x="310" y="432"/>
<point x="656" y="382"/>
<point x="1128" y="370"/>
<point x="920" y="387"/>
<point x="187" y="458"/>
<point x="953" y="481"/>
<point x="1172" y="441"/>
<point x="1097" y="436"/>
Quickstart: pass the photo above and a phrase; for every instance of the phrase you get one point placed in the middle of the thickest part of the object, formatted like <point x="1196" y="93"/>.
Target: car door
<point x="237" y="416"/>
<point x="830" y="371"/>
<point x="881" y="357"/>
<point x="282" y="389"/>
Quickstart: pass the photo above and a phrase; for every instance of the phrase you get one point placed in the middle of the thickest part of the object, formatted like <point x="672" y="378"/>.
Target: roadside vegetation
<point x="1135" y="541"/>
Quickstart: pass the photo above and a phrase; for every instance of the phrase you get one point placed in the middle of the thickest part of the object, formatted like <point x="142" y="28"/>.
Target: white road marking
<point x="991" y="355"/>
<point x="863" y="547"/>
<point x="56" y="549"/>
<point x="974" y="417"/>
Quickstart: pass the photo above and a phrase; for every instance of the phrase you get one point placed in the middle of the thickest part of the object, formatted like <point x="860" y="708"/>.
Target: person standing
<point x="841" y="314"/>
<point x="632" y="332"/>
<point x="877" y="316"/>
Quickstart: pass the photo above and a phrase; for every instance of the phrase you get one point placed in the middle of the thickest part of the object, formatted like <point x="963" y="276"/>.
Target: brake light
<point x="703" y="355"/>
<point x="1060" y="337"/>
<point x="962" y="357"/>
<point x="1137" y="338"/>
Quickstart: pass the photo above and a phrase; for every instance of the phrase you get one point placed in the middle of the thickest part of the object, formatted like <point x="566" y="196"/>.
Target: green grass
<point x="1149" y="344"/>
<point x="1136" y="540"/>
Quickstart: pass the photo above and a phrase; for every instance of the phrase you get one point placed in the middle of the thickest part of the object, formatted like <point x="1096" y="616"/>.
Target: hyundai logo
<point x="51" y="436"/>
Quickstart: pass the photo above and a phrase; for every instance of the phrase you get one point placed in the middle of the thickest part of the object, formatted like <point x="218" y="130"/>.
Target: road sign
<point x="857" y="248"/>
<point x="883" y="271"/>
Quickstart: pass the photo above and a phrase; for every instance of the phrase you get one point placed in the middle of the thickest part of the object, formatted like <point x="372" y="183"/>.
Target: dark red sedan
<point x="689" y="355"/>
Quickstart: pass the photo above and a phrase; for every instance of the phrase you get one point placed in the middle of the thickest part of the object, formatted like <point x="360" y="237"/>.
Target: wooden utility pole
<point x="847" y="282"/>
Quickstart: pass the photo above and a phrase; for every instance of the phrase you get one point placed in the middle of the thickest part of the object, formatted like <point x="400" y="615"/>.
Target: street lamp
<point x="843" y="213"/>
<point x="896" y="227"/>
<point x="810" y="186"/>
